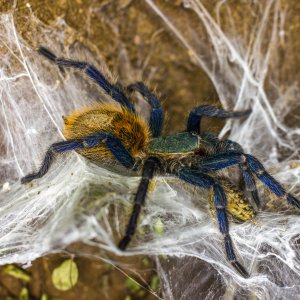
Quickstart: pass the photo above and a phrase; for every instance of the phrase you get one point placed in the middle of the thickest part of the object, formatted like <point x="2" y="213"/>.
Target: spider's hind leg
<point x="223" y="160"/>
<point x="156" y="114"/>
<point x="258" y="169"/>
<point x="248" y="178"/>
<point x="205" y="181"/>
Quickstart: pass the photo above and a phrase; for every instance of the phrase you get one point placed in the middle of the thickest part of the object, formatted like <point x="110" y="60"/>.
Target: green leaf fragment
<point x="159" y="227"/>
<point x="141" y="294"/>
<point x="132" y="285"/>
<point x="163" y="257"/>
<point x="44" y="297"/>
<point x="154" y="283"/>
<point x="24" y="294"/>
<point x="105" y="281"/>
<point x="146" y="262"/>
<point x="17" y="272"/>
<point x="65" y="276"/>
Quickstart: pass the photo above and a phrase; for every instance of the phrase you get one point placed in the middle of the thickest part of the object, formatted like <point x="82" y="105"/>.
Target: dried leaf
<point x="65" y="276"/>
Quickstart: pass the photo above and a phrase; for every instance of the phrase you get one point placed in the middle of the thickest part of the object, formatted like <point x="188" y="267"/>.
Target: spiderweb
<point x="79" y="201"/>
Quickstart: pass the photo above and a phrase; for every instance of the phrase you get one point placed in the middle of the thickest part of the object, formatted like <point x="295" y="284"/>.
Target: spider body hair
<point x="124" y="124"/>
<point x="238" y="205"/>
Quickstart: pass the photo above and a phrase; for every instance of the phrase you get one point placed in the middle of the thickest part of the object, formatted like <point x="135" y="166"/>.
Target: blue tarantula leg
<point x="139" y="200"/>
<point x="206" y="182"/>
<point x="49" y="156"/>
<point x="258" y="169"/>
<point x="156" y="115"/>
<point x="248" y="179"/>
<point x="194" y="120"/>
<point x="250" y="183"/>
<point x="113" y="90"/>
<point x="226" y="159"/>
<point x="112" y="143"/>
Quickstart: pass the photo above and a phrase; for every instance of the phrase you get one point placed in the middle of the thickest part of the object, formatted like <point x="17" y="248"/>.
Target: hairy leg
<point x="113" y="90"/>
<point x="223" y="160"/>
<point x="112" y="143"/>
<point x="207" y="182"/>
<point x="248" y="178"/>
<point x="139" y="200"/>
<point x="195" y="117"/>
<point x="156" y="115"/>
<point x="215" y="146"/>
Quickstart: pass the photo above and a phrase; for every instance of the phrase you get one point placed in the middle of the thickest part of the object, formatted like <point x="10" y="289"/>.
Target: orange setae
<point x="111" y="118"/>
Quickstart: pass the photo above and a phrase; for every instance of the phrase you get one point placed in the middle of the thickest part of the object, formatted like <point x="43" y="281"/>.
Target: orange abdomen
<point x="111" y="118"/>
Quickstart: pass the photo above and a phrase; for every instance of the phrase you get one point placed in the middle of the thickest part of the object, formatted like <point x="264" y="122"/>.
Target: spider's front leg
<point x="111" y="89"/>
<point x="121" y="154"/>
<point x="139" y="200"/>
<point x="196" y="115"/>
<point x="223" y="160"/>
<point x="207" y="182"/>
<point x="156" y="115"/>
<point x="112" y="143"/>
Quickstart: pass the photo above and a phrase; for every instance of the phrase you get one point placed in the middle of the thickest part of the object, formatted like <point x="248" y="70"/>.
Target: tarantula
<point x="115" y="133"/>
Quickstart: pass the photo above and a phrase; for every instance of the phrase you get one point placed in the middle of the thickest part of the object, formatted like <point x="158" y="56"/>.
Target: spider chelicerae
<point x="114" y="133"/>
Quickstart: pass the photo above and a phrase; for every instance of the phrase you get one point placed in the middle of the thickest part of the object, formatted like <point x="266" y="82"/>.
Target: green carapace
<point x="184" y="142"/>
